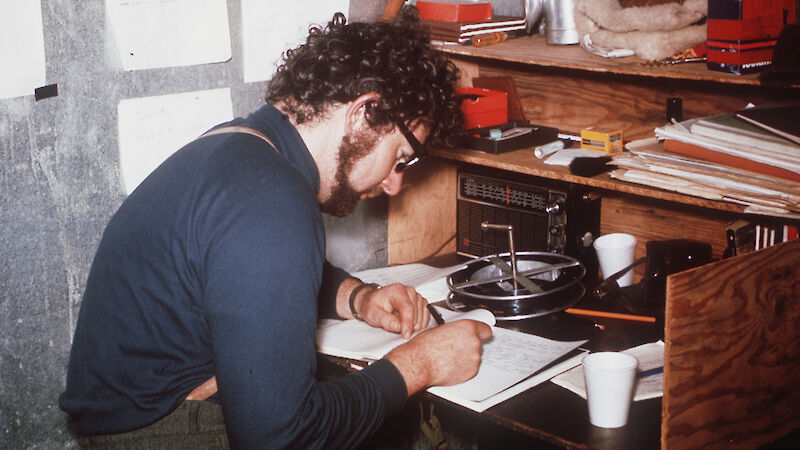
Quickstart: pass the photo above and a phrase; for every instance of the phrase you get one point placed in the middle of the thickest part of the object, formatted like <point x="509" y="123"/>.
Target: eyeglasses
<point x="419" y="150"/>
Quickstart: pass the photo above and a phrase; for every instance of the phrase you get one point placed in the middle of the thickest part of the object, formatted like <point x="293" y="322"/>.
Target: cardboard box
<point x="742" y="33"/>
<point x="602" y="139"/>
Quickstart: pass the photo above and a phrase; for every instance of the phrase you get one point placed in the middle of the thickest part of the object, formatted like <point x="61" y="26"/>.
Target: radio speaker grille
<point x="530" y="230"/>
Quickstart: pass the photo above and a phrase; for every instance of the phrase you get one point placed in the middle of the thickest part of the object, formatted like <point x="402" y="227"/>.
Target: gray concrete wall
<point x="60" y="183"/>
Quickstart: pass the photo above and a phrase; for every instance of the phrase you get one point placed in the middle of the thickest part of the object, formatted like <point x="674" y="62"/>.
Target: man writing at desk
<point x="215" y="265"/>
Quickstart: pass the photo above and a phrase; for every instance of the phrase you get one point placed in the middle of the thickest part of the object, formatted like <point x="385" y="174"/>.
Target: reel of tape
<point x="542" y="283"/>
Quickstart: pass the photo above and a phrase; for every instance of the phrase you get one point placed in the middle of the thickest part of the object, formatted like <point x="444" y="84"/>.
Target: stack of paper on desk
<point x="509" y="358"/>
<point x="650" y="356"/>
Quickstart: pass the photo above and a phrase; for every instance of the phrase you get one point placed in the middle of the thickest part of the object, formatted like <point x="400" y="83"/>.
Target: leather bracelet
<point x="354" y="292"/>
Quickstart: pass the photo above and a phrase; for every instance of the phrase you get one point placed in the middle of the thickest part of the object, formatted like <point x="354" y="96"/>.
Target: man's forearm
<point x="343" y="297"/>
<point x="414" y="372"/>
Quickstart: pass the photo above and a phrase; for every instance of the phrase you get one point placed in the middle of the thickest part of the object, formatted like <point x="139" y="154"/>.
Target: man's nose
<point x="391" y="185"/>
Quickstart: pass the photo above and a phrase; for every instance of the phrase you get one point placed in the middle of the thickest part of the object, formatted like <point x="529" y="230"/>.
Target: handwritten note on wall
<point x="21" y="48"/>
<point x="270" y="28"/>
<point x="153" y="128"/>
<point x="157" y="33"/>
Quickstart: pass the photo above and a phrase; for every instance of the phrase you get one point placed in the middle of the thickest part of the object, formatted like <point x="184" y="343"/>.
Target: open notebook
<point x="512" y="361"/>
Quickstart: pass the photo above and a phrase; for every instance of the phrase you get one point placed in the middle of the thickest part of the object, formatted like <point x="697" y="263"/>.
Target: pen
<point x="436" y="316"/>
<point x="649" y="372"/>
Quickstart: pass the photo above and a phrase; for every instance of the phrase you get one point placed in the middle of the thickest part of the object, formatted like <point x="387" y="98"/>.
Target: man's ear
<point x="356" y="112"/>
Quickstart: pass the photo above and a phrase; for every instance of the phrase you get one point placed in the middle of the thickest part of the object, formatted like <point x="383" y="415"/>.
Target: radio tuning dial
<point x="555" y="207"/>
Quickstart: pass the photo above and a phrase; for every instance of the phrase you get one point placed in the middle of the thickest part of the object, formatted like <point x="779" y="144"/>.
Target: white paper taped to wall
<point x="153" y="128"/>
<point x="270" y="28"/>
<point x="21" y="47"/>
<point x="153" y="33"/>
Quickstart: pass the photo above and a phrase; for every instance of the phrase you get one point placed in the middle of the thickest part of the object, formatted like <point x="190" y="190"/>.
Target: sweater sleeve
<point x="332" y="278"/>
<point x="264" y="270"/>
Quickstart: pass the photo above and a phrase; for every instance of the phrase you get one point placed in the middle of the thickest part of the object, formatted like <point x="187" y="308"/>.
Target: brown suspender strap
<point x="209" y="388"/>
<point x="239" y="129"/>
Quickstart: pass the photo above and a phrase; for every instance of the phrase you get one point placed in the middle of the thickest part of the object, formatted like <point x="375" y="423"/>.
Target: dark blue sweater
<point x="213" y="266"/>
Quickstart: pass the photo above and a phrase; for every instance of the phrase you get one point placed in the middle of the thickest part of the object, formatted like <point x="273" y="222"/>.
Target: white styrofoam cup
<point x="610" y="380"/>
<point x="615" y="251"/>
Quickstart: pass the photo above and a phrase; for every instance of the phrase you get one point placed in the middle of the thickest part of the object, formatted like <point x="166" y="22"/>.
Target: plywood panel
<point x="733" y="351"/>
<point x="422" y="218"/>
<point x="650" y="220"/>
<point x="571" y="101"/>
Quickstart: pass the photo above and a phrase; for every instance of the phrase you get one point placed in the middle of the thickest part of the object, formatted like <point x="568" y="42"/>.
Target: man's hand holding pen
<point x="441" y="356"/>
<point x="447" y="354"/>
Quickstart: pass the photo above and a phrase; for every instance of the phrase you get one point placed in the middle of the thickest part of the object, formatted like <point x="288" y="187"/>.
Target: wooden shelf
<point x="534" y="51"/>
<point x="567" y="88"/>
<point x="523" y="161"/>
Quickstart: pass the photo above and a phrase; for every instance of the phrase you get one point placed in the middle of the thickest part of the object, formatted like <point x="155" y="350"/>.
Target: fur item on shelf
<point x="630" y="3"/>
<point x="652" y="32"/>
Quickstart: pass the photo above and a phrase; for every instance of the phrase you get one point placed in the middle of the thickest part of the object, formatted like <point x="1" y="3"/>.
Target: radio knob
<point x="555" y="207"/>
<point x="557" y="229"/>
<point x="587" y="240"/>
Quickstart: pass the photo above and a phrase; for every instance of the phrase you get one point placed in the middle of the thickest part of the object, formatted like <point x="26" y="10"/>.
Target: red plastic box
<point x="742" y="33"/>
<point x="484" y="107"/>
<point x="454" y="12"/>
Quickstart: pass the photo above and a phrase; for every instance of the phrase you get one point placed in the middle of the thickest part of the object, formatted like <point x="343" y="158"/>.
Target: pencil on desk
<point x="609" y="315"/>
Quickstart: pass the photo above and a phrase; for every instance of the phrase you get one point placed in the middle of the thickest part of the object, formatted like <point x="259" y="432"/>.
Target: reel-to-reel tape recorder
<point x="537" y="267"/>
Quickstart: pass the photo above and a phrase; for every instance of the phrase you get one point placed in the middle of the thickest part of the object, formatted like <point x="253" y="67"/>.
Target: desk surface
<point x="551" y="414"/>
<point x="548" y="415"/>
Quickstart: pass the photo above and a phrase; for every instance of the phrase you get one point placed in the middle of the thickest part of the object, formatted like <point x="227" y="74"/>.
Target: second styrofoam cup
<point x="610" y="380"/>
<point x="615" y="251"/>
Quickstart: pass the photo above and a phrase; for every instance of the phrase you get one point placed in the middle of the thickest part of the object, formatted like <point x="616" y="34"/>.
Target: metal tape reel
<point x="551" y="283"/>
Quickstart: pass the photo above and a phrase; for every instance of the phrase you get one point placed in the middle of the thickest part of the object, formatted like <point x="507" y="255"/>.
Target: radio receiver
<point x="546" y="215"/>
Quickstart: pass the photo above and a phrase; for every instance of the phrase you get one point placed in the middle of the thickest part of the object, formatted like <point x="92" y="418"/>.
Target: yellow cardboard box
<point x="605" y="140"/>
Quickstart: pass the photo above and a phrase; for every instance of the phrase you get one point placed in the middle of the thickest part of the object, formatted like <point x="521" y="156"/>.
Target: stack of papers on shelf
<point x="651" y="358"/>
<point x="649" y="164"/>
<point x="725" y="158"/>
<point x="710" y="141"/>
<point x="780" y="120"/>
<point x="729" y="127"/>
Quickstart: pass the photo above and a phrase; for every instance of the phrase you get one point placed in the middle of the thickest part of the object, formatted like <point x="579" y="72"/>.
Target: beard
<point x="344" y="198"/>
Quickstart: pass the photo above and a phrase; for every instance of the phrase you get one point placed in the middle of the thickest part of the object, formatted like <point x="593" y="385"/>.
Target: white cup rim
<point x="620" y="361"/>
<point x="615" y="241"/>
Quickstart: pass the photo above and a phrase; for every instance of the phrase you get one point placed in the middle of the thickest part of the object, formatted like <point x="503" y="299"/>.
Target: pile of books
<point x="725" y="157"/>
<point x="745" y="236"/>
<point x="459" y="22"/>
<point x="462" y="32"/>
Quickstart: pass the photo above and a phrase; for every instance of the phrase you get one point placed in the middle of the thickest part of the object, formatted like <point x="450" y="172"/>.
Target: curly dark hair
<point x="339" y="63"/>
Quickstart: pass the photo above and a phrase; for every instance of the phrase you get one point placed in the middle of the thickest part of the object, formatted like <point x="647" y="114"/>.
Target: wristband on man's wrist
<point x="352" y="300"/>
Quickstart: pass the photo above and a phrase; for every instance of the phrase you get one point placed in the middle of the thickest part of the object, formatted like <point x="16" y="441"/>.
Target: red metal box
<point x="742" y="33"/>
